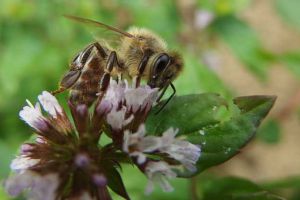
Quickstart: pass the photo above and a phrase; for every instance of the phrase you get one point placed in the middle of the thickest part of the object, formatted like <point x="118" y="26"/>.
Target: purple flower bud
<point x="41" y="125"/>
<point x="104" y="107"/>
<point x="26" y="148"/>
<point x="40" y="140"/>
<point x="82" y="109"/>
<point x="82" y="160"/>
<point x="100" y="180"/>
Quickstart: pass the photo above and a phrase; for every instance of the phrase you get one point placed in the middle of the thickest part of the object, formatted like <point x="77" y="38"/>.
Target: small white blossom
<point x="138" y="143"/>
<point x="50" y="104"/>
<point x="140" y="97"/>
<point x="115" y="92"/>
<point x="141" y="144"/>
<point x="44" y="187"/>
<point x="32" y="115"/>
<point x="159" y="173"/>
<point x="132" y="99"/>
<point x="40" y="187"/>
<point x="183" y="151"/>
<point x="117" y="119"/>
<point x="21" y="163"/>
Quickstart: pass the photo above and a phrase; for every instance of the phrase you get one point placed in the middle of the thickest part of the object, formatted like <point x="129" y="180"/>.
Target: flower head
<point x="67" y="156"/>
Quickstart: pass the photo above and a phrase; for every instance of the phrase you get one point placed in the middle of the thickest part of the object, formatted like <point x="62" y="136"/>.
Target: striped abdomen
<point x="87" y="86"/>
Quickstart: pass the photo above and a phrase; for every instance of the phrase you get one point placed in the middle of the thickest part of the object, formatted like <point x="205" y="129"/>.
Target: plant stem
<point x="193" y="188"/>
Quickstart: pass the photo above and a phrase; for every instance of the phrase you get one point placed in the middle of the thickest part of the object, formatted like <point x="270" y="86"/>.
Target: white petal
<point x="40" y="187"/>
<point x="183" y="151"/>
<point x="150" y="144"/>
<point x="44" y="187"/>
<point x="169" y="136"/>
<point x="15" y="184"/>
<point x="141" y="158"/>
<point x="149" y="188"/>
<point x="50" y="104"/>
<point x="159" y="172"/>
<point x="140" y="97"/>
<point x="115" y="92"/>
<point x="126" y="141"/>
<point x="117" y="118"/>
<point x="22" y="163"/>
<point x="32" y="116"/>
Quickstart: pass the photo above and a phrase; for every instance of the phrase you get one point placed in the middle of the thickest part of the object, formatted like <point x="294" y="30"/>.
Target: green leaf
<point x="224" y="140"/>
<point x="244" y="43"/>
<point x="116" y="184"/>
<point x="232" y="188"/>
<point x="269" y="132"/>
<point x="196" y="118"/>
<point x="289" y="11"/>
<point x="183" y="113"/>
<point x="292" y="182"/>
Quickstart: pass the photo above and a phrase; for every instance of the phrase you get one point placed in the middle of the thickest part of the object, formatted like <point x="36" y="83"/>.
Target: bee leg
<point x="162" y="93"/>
<point x="168" y="100"/>
<point x="100" y="49"/>
<point x="141" y="69"/>
<point x="104" y="82"/>
<point x="59" y="90"/>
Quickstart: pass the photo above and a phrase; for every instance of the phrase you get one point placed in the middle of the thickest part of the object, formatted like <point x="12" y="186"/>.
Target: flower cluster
<point x="66" y="160"/>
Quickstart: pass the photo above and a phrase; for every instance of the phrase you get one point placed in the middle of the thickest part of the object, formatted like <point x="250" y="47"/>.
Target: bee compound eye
<point x="161" y="63"/>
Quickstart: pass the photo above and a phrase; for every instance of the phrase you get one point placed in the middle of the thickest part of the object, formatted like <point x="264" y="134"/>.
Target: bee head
<point x="164" y="69"/>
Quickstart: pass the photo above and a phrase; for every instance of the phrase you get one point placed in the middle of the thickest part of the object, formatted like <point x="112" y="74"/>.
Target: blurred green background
<point x="232" y="47"/>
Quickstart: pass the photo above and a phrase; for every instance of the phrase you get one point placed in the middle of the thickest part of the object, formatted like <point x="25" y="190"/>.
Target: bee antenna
<point x="169" y="99"/>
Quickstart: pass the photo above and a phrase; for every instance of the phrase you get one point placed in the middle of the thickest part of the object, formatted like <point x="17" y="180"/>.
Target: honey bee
<point x="140" y="55"/>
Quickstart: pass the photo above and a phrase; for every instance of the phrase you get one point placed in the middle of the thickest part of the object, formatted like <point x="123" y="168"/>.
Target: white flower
<point x="44" y="187"/>
<point x="117" y="119"/>
<point x="50" y="104"/>
<point x="21" y="163"/>
<point x="184" y="152"/>
<point x="159" y="172"/>
<point x="140" y="144"/>
<point x="40" y="187"/>
<point x="33" y="116"/>
<point x="115" y="92"/>
<point x="130" y="99"/>
<point x="141" y="97"/>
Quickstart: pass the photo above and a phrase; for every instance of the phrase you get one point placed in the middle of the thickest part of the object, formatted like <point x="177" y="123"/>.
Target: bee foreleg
<point x="141" y="69"/>
<point x="168" y="100"/>
<point x="104" y="82"/>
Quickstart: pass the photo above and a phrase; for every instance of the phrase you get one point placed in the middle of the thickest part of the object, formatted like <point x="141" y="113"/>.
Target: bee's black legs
<point x="142" y="67"/>
<point x="162" y="93"/>
<point x="104" y="82"/>
<point x="168" y="100"/>
<point x="100" y="49"/>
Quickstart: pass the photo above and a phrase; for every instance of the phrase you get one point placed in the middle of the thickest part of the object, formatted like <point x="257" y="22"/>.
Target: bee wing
<point x="99" y="24"/>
